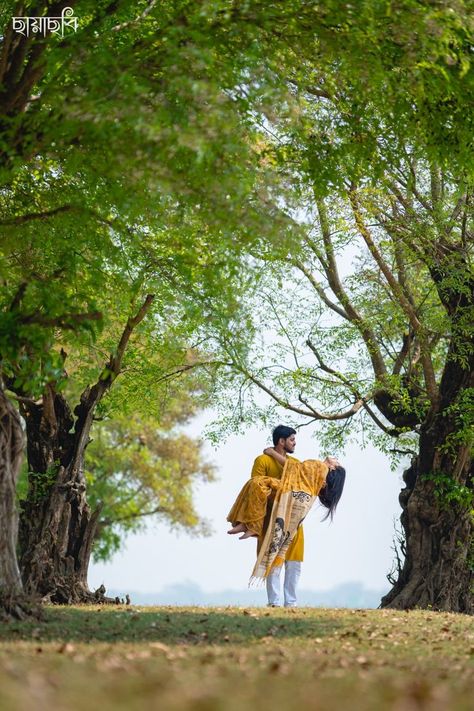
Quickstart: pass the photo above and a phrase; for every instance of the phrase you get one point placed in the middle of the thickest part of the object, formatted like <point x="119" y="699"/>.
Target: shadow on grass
<point x="170" y="626"/>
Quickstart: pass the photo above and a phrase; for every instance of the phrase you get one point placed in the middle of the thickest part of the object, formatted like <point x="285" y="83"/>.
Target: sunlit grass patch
<point x="216" y="658"/>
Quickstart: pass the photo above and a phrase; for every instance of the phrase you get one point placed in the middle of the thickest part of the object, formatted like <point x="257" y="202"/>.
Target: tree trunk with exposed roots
<point x="437" y="502"/>
<point x="57" y="526"/>
<point x="11" y="450"/>
<point x="438" y="545"/>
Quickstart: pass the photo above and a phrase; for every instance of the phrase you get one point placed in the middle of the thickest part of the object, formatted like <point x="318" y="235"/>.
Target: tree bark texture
<point x="57" y="526"/>
<point x="14" y="604"/>
<point x="11" y="450"/>
<point x="438" y="526"/>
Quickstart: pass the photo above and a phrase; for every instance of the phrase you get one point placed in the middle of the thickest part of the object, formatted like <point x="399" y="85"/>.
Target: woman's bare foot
<point x="248" y="534"/>
<point x="238" y="528"/>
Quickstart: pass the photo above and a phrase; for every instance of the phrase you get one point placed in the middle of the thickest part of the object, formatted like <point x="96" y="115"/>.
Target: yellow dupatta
<point x="300" y="484"/>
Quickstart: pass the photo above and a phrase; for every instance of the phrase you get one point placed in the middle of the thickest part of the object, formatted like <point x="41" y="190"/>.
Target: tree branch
<point x="21" y="219"/>
<point x="403" y="353"/>
<point x="310" y="412"/>
<point x="132" y="23"/>
<point x="19" y="294"/>
<point x="354" y="316"/>
<point x="457" y="210"/>
<point x="65" y="321"/>
<point x="319" y="289"/>
<point x="284" y="330"/>
<point x="393" y="432"/>
<point x="7" y="41"/>
<point x="159" y="509"/>
<point x="115" y="361"/>
<point x="313" y="90"/>
<point x="428" y="369"/>
<point x="91" y="396"/>
<point x="435" y="185"/>
<point x="402" y="273"/>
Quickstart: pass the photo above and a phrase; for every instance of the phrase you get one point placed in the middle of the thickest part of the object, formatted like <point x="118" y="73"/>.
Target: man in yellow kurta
<point x="284" y="441"/>
<point x="274" y="502"/>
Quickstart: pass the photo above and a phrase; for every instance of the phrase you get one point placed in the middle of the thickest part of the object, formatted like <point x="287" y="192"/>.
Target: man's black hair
<point x="282" y="431"/>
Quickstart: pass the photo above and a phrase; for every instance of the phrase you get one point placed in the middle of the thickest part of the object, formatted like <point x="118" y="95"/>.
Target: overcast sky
<point x="355" y="547"/>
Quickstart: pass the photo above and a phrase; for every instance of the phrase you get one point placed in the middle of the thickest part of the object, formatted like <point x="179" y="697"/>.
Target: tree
<point x="361" y="180"/>
<point x="31" y="312"/>
<point x="140" y="470"/>
<point x="11" y="447"/>
<point x="105" y="274"/>
<point x="70" y="160"/>
<point x="58" y="527"/>
<point x="394" y="362"/>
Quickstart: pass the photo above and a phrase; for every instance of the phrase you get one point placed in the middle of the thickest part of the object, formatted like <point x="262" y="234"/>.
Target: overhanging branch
<point x="354" y="316"/>
<point x="319" y="289"/>
<point x="310" y="411"/>
<point x="68" y="321"/>
<point x="91" y="396"/>
<point x="43" y="215"/>
<point x="364" y="399"/>
<point x="397" y="290"/>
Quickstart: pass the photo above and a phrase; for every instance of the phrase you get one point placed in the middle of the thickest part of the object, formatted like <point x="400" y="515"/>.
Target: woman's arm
<point x="272" y="453"/>
<point x="330" y="462"/>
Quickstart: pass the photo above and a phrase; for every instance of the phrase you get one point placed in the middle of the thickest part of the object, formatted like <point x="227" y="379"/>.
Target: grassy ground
<point x="211" y="659"/>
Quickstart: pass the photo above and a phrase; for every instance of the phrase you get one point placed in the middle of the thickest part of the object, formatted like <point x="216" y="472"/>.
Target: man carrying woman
<point x="272" y="505"/>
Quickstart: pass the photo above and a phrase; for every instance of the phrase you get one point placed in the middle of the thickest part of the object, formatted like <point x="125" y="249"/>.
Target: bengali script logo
<point x="43" y="25"/>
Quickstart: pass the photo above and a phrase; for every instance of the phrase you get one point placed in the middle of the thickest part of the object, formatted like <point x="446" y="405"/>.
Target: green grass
<point x="208" y="659"/>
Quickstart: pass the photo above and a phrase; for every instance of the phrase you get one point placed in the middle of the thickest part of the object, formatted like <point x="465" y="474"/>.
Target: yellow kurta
<point x="265" y="465"/>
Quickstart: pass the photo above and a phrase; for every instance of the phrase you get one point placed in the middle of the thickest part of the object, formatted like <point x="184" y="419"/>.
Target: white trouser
<point x="292" y="574"/>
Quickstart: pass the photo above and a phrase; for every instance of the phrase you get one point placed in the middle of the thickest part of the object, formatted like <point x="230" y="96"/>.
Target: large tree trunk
<point x="437" y="571"/>
<point x="13" y="602"/>
<point x="57" y="527"/>
<point x="437" y="508"/>
<point x="56" y="536"/>
<point x="11" y="448"/>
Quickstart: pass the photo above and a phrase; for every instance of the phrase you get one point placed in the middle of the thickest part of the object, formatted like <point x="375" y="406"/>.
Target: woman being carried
<point x="294" y="494"/>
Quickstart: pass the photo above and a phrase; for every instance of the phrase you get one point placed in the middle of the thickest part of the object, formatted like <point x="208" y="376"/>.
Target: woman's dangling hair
<point x="332" y="492"/>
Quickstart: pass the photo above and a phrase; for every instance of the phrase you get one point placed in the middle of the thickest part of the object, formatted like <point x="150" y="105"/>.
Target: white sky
<point x="356" y="547"/>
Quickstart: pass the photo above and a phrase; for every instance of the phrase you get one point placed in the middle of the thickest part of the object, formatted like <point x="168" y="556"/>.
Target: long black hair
<point x="332" y="492"/>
